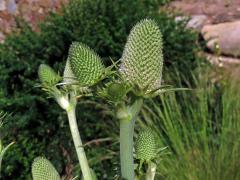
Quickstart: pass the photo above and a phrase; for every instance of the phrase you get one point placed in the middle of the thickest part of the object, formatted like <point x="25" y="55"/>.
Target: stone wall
<point x="31" y="11"/>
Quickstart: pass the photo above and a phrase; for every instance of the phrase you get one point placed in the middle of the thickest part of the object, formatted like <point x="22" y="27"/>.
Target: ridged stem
<point x="126" y="149"/>
<point x="151" y="171"/>
<point x="126" y="140"/>
<point x="86" y="172"/>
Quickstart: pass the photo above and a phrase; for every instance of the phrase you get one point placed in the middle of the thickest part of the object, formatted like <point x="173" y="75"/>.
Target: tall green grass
<point x="201" y="129"/>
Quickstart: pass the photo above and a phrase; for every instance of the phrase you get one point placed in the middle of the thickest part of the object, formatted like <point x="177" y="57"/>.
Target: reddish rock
<point x="197" y="22"/>
<point x="223" y="38"/>
<point x="2" y="5"/>
<point x="32" y="11"/>
<point x="222" y="61"/>
<point x="217" y="11"/>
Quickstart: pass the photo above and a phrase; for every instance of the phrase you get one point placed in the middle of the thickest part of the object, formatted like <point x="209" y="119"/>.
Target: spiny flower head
<point x="146" y="147"/>
<point x="42" y="169"/>
<point x="47" y="75"/>
<point x="142" y="59"/>
<point x="85" y="64"/>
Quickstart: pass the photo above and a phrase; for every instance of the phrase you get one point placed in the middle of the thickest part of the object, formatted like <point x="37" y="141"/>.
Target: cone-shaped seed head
<point x="142" y="59"/>
<point x="145" y="145"/>
<point x="42" y="169"/>
<point x="85" y="64"/>
<point x="47" y="75"/>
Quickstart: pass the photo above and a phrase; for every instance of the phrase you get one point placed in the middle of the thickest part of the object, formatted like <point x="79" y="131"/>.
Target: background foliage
<point x="38" y="126"/>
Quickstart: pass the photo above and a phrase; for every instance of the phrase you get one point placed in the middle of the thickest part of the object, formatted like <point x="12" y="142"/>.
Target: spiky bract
<point x="47" y="75"/>
<point x="85" y="64"/>
<point x="116" y="91"/>
<point x="42" y="169"/>
<point x="146" y="148"/>
<point x="68" y="76"/>
<point x="142" y="59"/>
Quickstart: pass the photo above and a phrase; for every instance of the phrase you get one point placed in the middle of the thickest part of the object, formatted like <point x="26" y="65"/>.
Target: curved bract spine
<point x="142" y="59"/>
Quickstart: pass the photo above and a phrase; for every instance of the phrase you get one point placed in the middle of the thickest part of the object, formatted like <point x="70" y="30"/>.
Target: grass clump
<point x="200" y="129"/>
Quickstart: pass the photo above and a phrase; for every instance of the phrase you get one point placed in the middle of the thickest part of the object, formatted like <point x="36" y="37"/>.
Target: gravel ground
<point x="218" y="11"/>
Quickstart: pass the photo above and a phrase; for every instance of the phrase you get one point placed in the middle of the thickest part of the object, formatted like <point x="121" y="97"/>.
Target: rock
<point x="223" y="38"/>
<point x="2" y="37"/>
<point x="181" y="18"/>
<point x="197" y="22"/>
<point x="45" y="3"/>
<point x="222" y="61"/>
<point x="218" y="11"/>
<point x="11" y="6"/>
<point x="2" y="5"/>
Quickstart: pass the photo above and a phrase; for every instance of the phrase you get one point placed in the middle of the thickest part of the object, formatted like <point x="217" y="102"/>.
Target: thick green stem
<point x="151" y="171"/>
<point x="126" y="140"/>
<point x="126" y="149"/>
<point x="78" y="143"/>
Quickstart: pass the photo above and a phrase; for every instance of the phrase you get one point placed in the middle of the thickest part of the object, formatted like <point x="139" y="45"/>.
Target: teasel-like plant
<point x="83" y="70"/>
<point x="139" y="76"/>
<point x="141" y="69"/>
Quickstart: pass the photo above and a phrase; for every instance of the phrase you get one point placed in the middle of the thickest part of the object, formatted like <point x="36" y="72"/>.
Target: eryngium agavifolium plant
<point x="140" y="72"/>
<point x="141" y="69"/>
<point x="42" y="169"/>
<point x="86" y="64"/>
<point x="67" y="99"/>
<point x="142" y="59"/>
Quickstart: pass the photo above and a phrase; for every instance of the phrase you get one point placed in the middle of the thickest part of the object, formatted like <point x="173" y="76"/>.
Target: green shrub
<point x="104" y="26"/>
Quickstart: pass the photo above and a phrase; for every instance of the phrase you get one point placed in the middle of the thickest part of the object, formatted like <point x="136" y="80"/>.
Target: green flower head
<point x="85" y="63"/>
<point x="42" y="169"/>
<point x="146" y="147"/>
<point x="47" y="75"/>
<point x="142" y="59"/>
